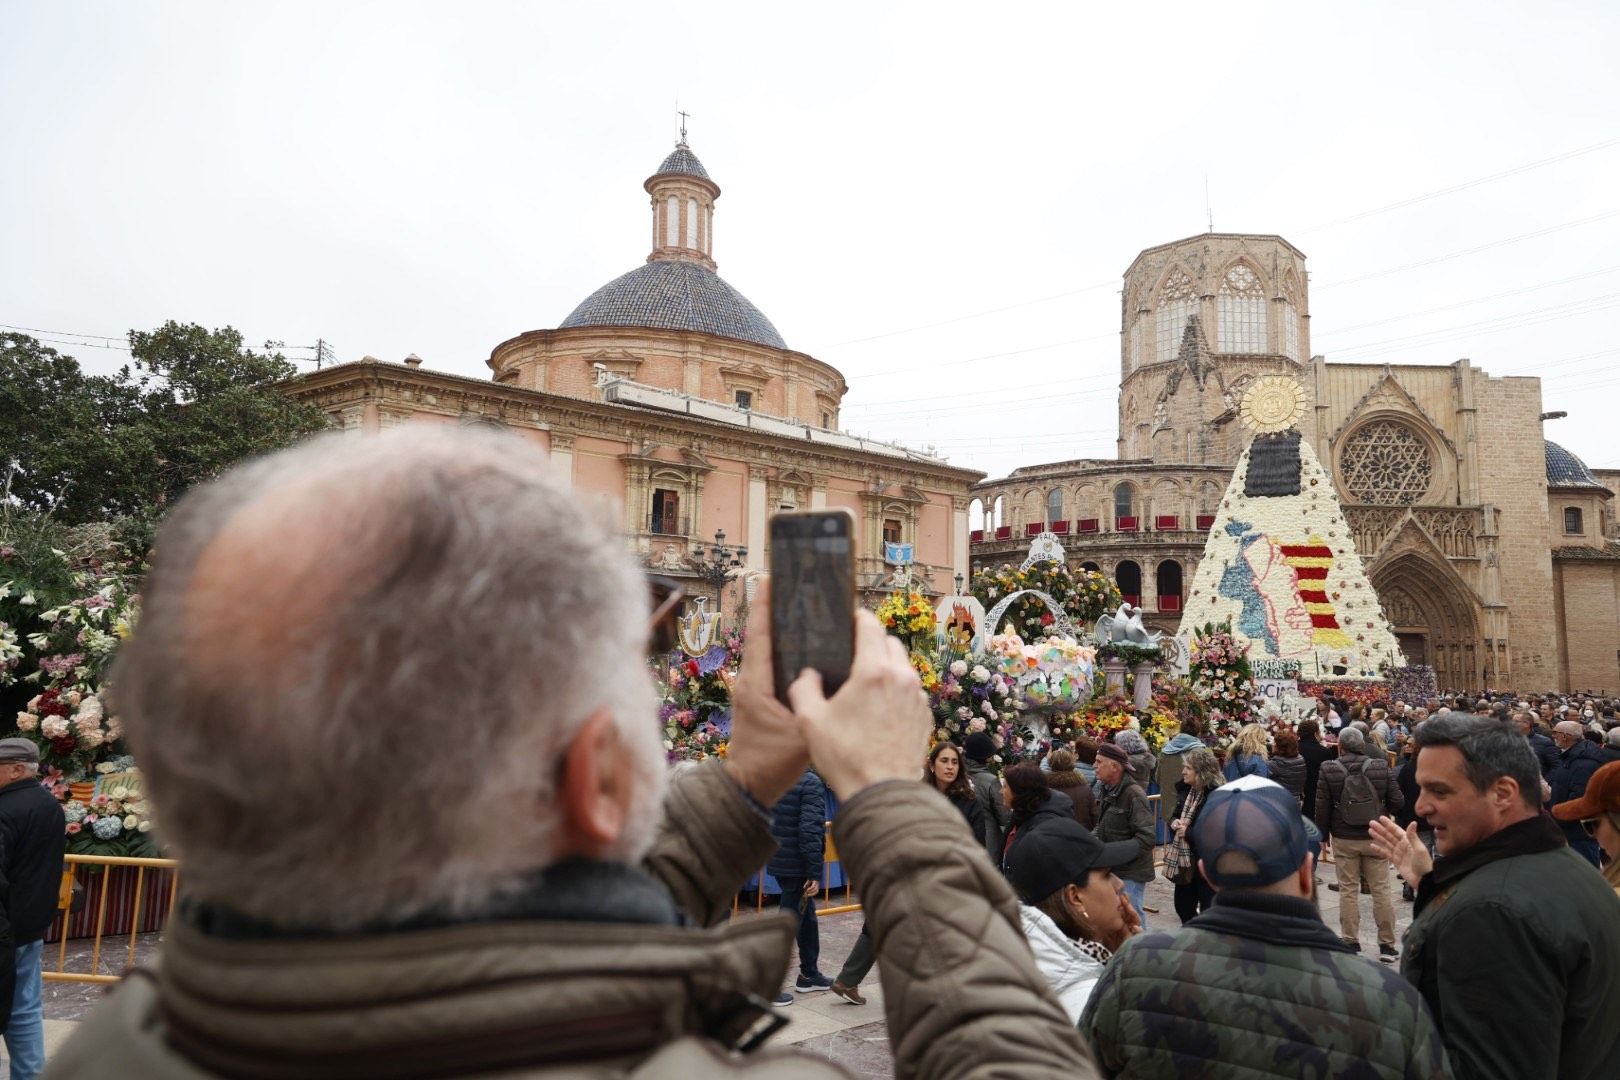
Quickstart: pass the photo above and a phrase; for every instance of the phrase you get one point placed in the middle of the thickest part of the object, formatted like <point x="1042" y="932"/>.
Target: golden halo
<point x="1273" y="403"/>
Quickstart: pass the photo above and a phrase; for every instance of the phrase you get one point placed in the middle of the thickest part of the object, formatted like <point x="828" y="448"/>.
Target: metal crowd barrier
<point x="70" y="875"/>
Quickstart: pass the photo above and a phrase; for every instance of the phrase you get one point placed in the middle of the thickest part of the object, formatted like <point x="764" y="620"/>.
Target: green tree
<point x="88" y="448"/>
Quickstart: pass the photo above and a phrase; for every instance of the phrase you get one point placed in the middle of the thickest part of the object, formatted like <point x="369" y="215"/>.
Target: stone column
<point x="756" y="515"/>
<point x="562" y="456"/>
<point x="1143" y="687"/>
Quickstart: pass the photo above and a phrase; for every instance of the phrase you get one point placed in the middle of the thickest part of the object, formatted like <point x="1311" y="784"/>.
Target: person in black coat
<point x="1406" y="780"/>
<point x="1314" y="753"/>
<point x="33" y="839"/>
<point x="1545" y="749"/>
<point x="799" y="824"/>
<point x="1577" y="761"/>
<point x="1031" y="800"/>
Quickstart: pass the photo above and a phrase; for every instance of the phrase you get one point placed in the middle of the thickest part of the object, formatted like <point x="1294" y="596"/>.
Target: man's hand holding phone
<point x="767" y="752"/>
<point x="876" y="727"/>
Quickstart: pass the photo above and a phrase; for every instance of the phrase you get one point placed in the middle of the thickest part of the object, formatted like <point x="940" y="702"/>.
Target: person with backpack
<point x="1352" y="792"/>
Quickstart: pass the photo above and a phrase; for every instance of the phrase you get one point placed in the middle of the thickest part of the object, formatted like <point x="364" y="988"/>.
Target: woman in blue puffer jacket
<point x="1249" y="754"/>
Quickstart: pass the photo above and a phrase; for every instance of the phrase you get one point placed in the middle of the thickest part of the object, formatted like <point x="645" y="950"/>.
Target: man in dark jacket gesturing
<point x="1124" y="813"/>
<point x="799" y="825"/>
<point x="32" y="840"/>
<point x="1577" y="761"/>
<point x="1351" y="793"/>
<point x="1513" y="935"/>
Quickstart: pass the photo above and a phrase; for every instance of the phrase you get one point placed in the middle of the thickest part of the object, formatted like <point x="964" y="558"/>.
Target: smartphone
<point x="812" y="597"/>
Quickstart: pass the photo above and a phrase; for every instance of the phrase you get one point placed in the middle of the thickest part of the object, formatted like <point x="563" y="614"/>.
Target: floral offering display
<point x="1348" y="691"/>
<point x="1084" y="595"/>
<point x="909" y="616"/>
<point x="971" y="697"/>
<point x="67" y="600"/>
<point x="1414" y="684"/>
<point x="696" y="707"/>
<point x="1051" y="673"/>
<point x="1102" y="717"/>
<point x="115" y="820"/>
<point x="1221" y="677"/>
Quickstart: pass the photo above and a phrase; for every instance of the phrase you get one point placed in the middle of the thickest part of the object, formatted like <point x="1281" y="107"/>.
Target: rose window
<point x="1386" y="463"/>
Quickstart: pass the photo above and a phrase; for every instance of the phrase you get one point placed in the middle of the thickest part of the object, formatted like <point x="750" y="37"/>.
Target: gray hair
<point x="1613" y="737"/>
<point x="358" y="665"/>
<point x="1489" y="752"/>
<point x="1130" y="741"/>
<point x="1352" y="740"/>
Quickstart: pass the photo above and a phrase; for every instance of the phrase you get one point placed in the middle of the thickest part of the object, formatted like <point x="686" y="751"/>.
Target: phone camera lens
<point x="829" y="526"/>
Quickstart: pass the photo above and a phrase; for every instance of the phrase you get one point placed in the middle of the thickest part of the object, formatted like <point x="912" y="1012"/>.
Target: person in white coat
<point x="1074" y="909"/>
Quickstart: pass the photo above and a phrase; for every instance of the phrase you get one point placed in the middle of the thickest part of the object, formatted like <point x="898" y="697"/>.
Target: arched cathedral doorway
<point x="1434" y="616"/>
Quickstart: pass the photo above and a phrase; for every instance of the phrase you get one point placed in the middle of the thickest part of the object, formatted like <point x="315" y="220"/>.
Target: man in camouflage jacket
<point x="1257" y="986"/>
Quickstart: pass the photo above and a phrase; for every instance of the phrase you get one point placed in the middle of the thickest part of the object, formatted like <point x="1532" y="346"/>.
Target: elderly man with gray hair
<point x="391" y="700"/>
<point x="1577" y="760"/>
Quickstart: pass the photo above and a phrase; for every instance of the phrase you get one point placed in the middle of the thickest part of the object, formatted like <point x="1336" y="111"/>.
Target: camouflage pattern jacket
<point x="1257" y="986"/>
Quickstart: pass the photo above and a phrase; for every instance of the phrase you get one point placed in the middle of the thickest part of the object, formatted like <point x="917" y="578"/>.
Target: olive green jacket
<point x="521" y="998"/>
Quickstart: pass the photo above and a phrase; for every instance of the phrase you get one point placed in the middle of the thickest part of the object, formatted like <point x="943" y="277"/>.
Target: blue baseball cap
<point x="1254" y="817"/>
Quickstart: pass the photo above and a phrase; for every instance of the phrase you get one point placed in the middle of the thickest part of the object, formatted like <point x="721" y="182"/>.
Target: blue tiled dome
<point x="675" y="296"/>
<point x="682" y="160"/>
<point x="1564" y="469"/>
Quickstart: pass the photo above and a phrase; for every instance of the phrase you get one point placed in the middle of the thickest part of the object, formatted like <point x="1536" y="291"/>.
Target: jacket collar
<point x="576" y="890"/>
<point x="1528" y="837"/>
<point x="18" y="785"/>
<point x="1275" y="920"/>
<point x="463" y="999"/>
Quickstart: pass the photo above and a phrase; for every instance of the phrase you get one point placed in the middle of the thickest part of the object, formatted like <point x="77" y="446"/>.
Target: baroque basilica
<point x="1495" y="552"/>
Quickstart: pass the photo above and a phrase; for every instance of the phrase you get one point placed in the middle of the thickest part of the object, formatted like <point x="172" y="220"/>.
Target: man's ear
<point x="1205" y="875"/>
<point x="595" y="790"/>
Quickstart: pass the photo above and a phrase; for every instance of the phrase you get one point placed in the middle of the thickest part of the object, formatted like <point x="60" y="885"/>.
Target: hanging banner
<point x="897" y="554"/>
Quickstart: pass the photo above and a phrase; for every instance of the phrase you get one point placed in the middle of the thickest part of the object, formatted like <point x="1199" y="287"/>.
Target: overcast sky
<point x="940" y="205"/>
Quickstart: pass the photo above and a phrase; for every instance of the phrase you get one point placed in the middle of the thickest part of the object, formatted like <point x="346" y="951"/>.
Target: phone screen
<point x="812" y="597"/>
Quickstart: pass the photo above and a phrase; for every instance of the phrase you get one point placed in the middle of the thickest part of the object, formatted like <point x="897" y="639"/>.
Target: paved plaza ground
<point x="854" y="1036"/>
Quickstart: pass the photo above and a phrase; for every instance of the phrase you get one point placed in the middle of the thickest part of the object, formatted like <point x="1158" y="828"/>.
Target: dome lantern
<point x="682" y="209"/>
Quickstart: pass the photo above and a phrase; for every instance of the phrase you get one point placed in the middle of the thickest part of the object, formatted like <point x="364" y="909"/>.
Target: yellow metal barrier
<point x="69" y="876"/>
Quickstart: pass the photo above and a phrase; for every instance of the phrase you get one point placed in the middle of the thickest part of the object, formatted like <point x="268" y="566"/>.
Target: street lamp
<point x="959" y="579"/>
<point x="721" y="561"/>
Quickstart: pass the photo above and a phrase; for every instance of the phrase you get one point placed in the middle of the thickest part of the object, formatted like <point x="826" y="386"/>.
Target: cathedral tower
<point x="682" y="209"/>
<point x="1202" y="318"/>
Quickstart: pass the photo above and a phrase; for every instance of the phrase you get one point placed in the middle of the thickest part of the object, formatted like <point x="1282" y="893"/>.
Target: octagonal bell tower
<point x="1202" y="318"/>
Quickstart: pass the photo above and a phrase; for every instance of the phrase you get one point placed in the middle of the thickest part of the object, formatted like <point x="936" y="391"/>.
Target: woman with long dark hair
<point x="945" y="774"/>
<point x="1030" y="799"/>
<point x="1202" y="775"/>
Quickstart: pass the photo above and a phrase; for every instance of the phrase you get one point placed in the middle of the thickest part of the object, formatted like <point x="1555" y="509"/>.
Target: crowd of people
<point x="431" y="613"/>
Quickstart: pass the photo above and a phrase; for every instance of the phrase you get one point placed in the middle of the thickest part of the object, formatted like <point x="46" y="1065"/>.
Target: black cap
<point x="979" y="746"/>
<point x="1057" y="852"/>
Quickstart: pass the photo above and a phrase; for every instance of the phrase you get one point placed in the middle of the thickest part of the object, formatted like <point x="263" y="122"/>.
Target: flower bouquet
<point x="1049" y="675"/>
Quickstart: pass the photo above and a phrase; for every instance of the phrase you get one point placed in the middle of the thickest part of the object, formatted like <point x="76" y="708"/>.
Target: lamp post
<point x="715" y="564"/>
<point x="959" y="580"/>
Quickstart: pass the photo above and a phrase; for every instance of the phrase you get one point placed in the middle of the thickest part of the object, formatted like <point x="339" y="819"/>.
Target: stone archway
<point x="1435" y="617"/>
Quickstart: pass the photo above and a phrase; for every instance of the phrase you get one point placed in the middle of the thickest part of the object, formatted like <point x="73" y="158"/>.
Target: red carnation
<point x="692" y="669"/>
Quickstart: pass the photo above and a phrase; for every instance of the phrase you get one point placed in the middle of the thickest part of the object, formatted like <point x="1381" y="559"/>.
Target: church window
<point x="826" y="420"/>
<point x="1167" y="585"/>
<point x="666" y="512"/>
<point x="1177" y="303"/>
<point x="1240" y="312"/>
<point x="744" y="399"/>
<point x="1128" y="576"/>
<point x="691" y="223"/>
<point x="1054" y="505"/>
<point x="672" y="221"/>
<point x="891" y="530"/>
<point x="1572" y="520"/>
<point x="1386" y="463"/>
<point x="996" y="511"/>
<point x="1124" y="502"/>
